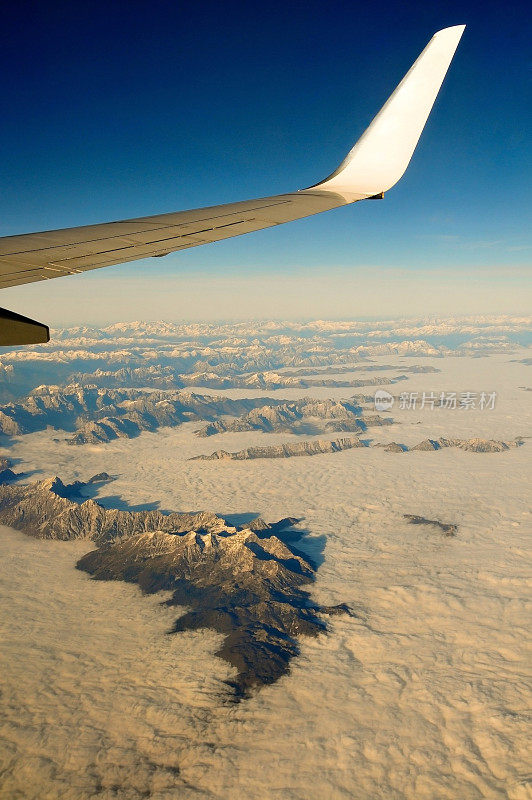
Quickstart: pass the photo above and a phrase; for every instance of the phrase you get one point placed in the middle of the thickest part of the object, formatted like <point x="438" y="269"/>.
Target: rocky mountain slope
<point x="316" y="446"/>
<point x="99" y="415"/>
<point x="49" y="509"/>
<point x="307" y="448"/>
<point x="475" y="445"/>
<point x="305" y="416"/>
<point x="167" y="355"/>
<point x="276" y="380"/>
<point x="245" y="582"/>
<point x="94" y="415"/>
<point x="249" y="372"/>
<point x="246" y="585"/>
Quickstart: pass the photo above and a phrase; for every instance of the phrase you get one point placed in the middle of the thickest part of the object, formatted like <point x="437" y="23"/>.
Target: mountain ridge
<point x="245" y="582"/>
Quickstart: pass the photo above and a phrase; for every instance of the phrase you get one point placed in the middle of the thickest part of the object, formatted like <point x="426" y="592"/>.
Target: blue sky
<point x="121" y="110"/>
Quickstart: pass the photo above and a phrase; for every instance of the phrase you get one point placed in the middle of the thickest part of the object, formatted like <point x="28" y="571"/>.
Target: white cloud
<point x="418" y="696"/>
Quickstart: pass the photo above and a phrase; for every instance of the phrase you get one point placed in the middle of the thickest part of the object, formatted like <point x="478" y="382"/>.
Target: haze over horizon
<point x="103" y="297"/>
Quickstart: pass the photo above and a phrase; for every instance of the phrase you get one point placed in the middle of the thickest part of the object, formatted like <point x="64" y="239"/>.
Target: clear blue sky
<point x="119" y="110"/>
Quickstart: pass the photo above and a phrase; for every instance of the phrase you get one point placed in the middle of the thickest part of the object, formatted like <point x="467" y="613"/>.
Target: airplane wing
<point x="374" y="165"/>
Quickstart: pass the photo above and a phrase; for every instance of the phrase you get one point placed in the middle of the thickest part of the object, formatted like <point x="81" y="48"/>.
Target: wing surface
<point x="53" y="254"/>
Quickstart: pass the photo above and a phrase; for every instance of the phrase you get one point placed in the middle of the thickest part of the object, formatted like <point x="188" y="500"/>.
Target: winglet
<point x="383" y="152"/>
